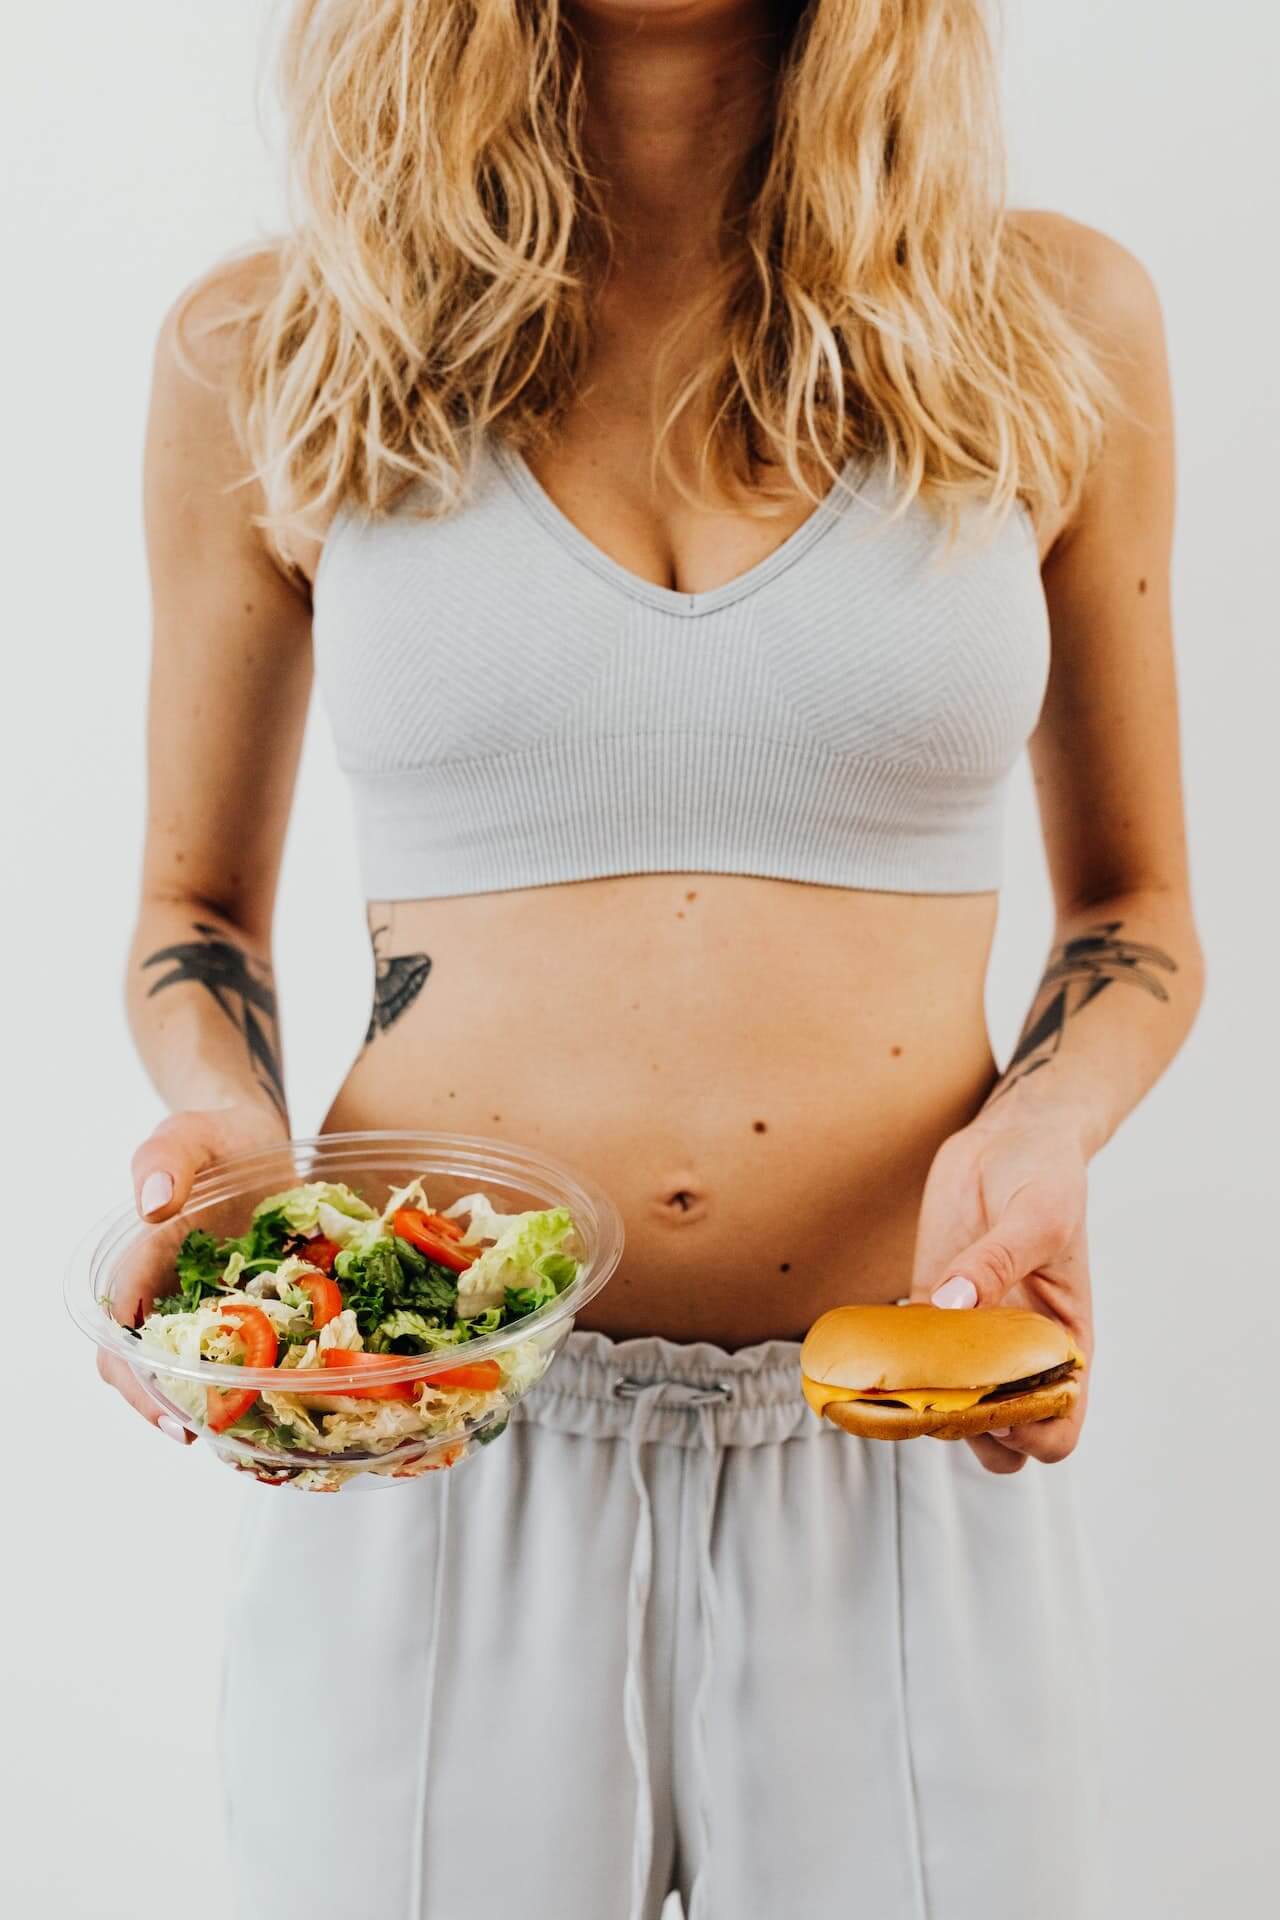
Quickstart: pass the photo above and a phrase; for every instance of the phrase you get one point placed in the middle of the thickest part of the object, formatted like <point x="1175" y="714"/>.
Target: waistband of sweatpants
<point x="747" y="1398"/>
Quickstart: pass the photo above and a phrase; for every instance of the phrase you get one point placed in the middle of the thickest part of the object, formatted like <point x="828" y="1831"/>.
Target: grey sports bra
<point x="513" y="708"/>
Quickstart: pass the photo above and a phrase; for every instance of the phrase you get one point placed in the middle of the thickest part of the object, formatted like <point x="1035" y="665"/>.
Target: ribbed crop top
<point x="514" y="708"/>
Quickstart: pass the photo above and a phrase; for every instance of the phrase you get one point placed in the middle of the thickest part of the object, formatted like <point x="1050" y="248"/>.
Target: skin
<point x="788" y="1089"/>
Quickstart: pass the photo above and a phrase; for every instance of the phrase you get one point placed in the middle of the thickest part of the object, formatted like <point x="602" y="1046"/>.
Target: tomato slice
<point x="324" y="1294"/>
<point x="480" y="1376"/>
<point x="258" y="1338"/>
<point x="440" y="1224"/>
<point x="385" y="1390"/>
<point x="421" y="1231"/>
<point x="319" y="1253"/>
<point x="222" y="1410"/>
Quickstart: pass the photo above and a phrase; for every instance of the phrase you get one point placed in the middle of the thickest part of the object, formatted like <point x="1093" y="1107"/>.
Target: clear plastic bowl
<point x="124" y="1263"/>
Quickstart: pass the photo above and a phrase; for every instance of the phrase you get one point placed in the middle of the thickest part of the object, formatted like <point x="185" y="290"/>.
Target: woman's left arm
<point x="1003" y="1216"/>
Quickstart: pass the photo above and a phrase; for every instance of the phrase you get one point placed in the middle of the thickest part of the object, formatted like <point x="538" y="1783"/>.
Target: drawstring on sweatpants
<point x="648" y="1395"/>
<point x="632" y="1685"/>
<point x="707" y="1612"/>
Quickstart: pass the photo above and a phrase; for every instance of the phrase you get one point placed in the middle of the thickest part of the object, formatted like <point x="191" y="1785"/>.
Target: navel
<point x="681" y="1202"/>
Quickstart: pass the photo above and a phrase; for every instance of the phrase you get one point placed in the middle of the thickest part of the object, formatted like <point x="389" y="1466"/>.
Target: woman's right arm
<point x="230" y="680"/>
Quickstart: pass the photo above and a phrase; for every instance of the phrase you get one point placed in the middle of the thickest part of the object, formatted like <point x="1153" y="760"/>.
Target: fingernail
<point x="1000" y="1433"/>
<point x="157" y="1192"/>
<point x="956" y="1292"/>
<point x="174" y="1428"/>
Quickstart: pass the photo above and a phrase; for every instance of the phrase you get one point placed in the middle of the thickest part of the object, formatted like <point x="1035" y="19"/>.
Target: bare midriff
<point x="758" y="1071"/>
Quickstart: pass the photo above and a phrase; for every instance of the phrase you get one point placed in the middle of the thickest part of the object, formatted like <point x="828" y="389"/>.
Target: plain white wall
<point x="131" y="158"/>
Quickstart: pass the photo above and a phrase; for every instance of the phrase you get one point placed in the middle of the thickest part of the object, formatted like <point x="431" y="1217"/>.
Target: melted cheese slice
<point x="920" y="1398"/>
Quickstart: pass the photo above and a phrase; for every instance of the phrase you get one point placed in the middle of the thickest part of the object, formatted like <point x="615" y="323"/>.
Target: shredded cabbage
<point x="343" y="1332"/>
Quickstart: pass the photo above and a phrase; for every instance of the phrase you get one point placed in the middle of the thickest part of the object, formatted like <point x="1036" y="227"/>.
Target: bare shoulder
<point x="1106" y="287"/>
<point x="195" y="458"/>
<point x="201" y="333"/>
<point x="1110" y="296"/>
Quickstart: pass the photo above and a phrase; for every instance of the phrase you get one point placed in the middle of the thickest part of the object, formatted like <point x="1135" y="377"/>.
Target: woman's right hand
<point x="164" y="1166"/>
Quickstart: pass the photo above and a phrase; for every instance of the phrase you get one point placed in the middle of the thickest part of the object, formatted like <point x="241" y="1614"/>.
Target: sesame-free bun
<point x="922" y="1346"/>
<point x="872" y="1422"/>
<point x="1024" y="1366"/>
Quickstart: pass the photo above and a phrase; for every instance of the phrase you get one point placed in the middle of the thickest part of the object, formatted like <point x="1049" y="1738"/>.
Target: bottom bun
<point x="872" y="1422"/>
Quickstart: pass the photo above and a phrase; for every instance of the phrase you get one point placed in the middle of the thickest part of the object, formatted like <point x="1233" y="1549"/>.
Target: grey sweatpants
<point x="668" y="1631"/>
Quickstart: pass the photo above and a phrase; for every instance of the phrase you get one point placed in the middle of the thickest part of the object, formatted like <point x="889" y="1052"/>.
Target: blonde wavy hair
<point x="449" y="238"/>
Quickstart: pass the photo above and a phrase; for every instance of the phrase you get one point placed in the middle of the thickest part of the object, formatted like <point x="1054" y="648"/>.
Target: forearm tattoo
<point x="1078" y="971"/>
<point x="242" y="987"/>
<point x="398" y="979"/>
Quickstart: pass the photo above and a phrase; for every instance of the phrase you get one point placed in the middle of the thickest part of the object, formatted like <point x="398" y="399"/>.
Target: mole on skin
<point x="758" y="1126"/>
<point x="895" y="1051"/>
<point x="1142" y="586"/>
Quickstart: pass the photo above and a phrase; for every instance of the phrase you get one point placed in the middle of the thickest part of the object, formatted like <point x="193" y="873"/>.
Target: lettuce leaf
<point x="554" y="1272"/>
<point x="323" y="1206"/>
<point x="198" y="1266"/>
<point x="410" y="1333"/>
<point x="393" y="1277"/>
<point x="206" y="1266"/>
<point x="515" y="1261"/>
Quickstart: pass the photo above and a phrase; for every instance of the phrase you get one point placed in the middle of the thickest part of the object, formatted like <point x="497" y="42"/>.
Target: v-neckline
<point x="570" y="536"/>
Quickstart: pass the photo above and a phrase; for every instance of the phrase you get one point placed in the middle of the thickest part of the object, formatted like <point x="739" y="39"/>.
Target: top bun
<point x="924" y="1346"/>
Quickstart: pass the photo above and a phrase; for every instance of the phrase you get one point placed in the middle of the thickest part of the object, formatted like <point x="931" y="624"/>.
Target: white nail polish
<point x="157" y="1191"/>
<point x="174" y="1428"/>
<point x="956" y="1292"/>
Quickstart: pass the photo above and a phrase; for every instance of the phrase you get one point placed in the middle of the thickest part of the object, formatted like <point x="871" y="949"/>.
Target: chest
<point x="505" y="627"/>
<point x="599" y="476"/>
<point x="599" y="470"/>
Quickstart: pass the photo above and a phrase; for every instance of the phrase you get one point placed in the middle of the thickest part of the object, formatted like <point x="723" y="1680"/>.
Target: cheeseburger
<point x="890" y="1373"/>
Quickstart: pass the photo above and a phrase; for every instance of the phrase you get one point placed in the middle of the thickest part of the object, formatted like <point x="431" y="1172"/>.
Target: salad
<point x="321" y="1279"/>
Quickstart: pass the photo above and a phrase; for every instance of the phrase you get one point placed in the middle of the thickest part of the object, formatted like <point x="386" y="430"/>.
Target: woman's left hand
<point x="1003" y="1221"/>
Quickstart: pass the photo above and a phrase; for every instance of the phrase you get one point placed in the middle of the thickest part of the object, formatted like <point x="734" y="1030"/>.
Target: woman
<point x="601" y="419"/>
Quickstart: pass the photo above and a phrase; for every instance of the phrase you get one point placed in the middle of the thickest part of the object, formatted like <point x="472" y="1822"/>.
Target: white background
<point x="133" y="156"/>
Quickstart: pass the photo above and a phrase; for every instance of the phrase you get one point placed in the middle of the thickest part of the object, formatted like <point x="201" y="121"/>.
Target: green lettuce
<point x="517" y="1262"/>
<point x="553" y="1273"/>
<point x="393" y="1277"/>
<point x="411" y="1333"/>
<point x="205" y="1266"/>
<point x="323" y="1206"/>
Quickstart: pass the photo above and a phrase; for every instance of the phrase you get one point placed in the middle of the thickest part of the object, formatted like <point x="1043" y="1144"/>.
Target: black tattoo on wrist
<point x="1078" y="971"/>
<point x="398" y="979"/>
<point x="242" y="987"/>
